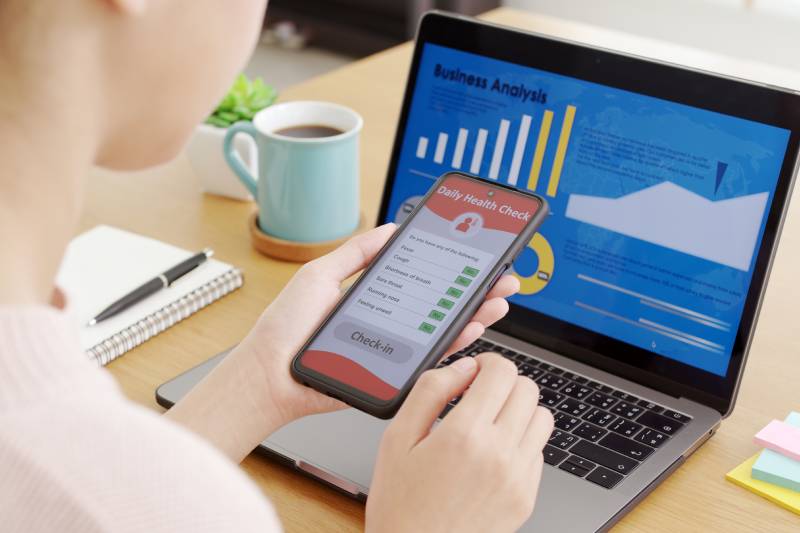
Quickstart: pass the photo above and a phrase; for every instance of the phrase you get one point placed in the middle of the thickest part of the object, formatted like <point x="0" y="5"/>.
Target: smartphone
<point x="419" y="292"/>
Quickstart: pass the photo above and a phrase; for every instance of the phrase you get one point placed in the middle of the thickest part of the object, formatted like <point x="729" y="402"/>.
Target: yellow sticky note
<point x="788" y="499"/>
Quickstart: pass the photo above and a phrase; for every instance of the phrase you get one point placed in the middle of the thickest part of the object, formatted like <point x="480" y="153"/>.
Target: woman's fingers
<point x="432" y="391"/>
<point x="488" y="313"/>
<point x="506" y="286"/>
<point x="352" y="256"/>
<point x="488" y="393"/>
<point x="538" y="432"/>
<point x="518" y="410"/>
<point x="491" y="311"/>
<point x="471" y="332"/>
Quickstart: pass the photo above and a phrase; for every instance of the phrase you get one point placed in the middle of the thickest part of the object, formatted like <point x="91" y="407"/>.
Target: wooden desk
<point x="166" y="203"/>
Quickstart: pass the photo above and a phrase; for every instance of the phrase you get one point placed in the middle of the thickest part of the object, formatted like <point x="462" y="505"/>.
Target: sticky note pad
<point x="773" y="467"/>
<point x="788" y="499"/>
<point x="780" y="437"/>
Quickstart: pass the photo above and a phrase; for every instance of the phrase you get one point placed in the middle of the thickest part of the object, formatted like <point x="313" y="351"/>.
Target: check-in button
<point x="373" y="342"/>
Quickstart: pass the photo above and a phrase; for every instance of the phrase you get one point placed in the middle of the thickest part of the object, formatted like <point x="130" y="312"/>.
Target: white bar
<point x="623" y="290"/>
<point x="441" y="145"/>
<point x="519" y="149"/>
<point x="422" y="147"/>
<point x="461" y="143"/>
<point x="701" y="340"/>
<point x="477" y="155"/>
<point x="499" y="147"/>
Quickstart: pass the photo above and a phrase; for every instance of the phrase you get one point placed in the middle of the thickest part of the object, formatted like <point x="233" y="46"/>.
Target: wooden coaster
<point x="299" y="252"/>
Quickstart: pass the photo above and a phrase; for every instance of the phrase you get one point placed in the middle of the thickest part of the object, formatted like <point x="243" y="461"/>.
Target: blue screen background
<point x="684" y="305"/>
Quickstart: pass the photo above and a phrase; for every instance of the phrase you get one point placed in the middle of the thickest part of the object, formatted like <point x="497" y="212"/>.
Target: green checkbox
<point x="427" y="328"/>
<point x="436" y="315"/>
<point x="469" y="271"/>
<point x="444" y="302"/>
<point x="464" y="282"/>
<point x="455" y="293"/>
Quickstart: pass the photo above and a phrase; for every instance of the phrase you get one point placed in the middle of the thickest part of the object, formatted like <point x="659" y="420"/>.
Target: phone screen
<point x="405" y="302"/>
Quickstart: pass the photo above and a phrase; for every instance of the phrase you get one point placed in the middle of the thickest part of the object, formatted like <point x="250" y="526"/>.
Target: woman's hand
<point x="305" y="302"/>
<point x="478" y="470"/>
<point x="251" y="393"/>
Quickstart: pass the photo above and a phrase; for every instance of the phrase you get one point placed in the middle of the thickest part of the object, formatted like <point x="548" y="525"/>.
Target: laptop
<point x="639" y="296"/>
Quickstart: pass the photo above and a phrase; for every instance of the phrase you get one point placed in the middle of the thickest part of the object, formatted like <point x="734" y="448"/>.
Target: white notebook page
<point x="106" y="263"/>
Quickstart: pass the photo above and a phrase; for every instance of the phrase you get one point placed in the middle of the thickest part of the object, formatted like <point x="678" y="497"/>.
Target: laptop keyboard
<point x="601" y="433"/>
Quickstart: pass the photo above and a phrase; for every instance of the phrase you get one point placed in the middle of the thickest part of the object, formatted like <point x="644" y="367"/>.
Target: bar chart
<point x="511" y="140"/>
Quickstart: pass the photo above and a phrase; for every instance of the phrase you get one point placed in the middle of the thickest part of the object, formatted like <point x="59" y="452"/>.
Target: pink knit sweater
<point x="76" y="456"/>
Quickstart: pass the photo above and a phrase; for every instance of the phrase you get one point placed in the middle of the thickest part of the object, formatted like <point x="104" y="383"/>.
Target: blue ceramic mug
<point x="307" y="187"/>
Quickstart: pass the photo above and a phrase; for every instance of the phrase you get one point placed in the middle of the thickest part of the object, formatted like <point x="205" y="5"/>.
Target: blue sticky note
<point x="778" y="469"/>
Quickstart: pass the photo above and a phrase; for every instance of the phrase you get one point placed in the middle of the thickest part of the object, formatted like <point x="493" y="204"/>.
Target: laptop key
<point x="650" y="406"/>
<point x="604" y="477"/>
<point x="589" y="431"/>
<point x="581" y="462"/>
<point x="599" y="417"/>
<point x="580" y="379"/>
<point x="625" y="396"/>
<point x="577" y="391"/>
<point x="603" y="456"/>
<point x="598" y="399"/>
<point x="573" y="469"/>
<point x="564" y="421"/>
<point x="625" y="427"/>
<point x="553" y="455"/>
<point x="651" y="437"/>
<point x="551" y="381"/>
<point x="562" y="440"/>
<point x="529" y="371"/>
<point x="660" y="423"/>
<point x="552" y="369"/>
<point x="626" y="447"/>
<point x="573" y="407"/>
<point x="677" y="416"/>
<point x="627" y="410"/>
<point x="549" y="398"/>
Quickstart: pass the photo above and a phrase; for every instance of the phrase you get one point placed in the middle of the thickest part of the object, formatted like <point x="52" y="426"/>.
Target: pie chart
<point x="544" y="271"/>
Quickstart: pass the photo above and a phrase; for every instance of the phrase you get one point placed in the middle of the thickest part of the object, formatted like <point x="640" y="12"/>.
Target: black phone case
<point x="385" y="410"/>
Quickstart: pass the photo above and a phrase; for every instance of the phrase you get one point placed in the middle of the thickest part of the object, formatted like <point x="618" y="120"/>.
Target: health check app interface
<point x="657" y="208"/>
<point x="407" y="300"/>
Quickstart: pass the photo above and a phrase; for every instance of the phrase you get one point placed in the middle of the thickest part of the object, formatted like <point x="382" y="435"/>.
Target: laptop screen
<point x="657" y="208"/>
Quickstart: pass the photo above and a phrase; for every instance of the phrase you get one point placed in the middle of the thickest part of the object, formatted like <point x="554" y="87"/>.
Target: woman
<point x="121" y="83"/>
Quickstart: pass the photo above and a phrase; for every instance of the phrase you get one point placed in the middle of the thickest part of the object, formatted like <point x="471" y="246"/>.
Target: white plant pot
<point x="206" y="157"/>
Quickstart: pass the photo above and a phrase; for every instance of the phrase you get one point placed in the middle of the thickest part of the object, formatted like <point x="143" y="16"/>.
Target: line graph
<point x="722" y="231"/>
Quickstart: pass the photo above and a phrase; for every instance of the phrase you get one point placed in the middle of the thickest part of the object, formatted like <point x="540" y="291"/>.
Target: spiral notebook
<point x="105" y="263"/>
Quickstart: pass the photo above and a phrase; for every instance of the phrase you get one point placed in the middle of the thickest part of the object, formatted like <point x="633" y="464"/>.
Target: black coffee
<point x="309" y="131"/>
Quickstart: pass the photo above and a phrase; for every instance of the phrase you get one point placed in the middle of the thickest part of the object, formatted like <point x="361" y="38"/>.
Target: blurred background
<point x="305" y="38"/>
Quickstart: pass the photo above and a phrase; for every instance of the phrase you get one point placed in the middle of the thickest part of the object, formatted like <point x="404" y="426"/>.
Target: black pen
<point x="162" y="281"/>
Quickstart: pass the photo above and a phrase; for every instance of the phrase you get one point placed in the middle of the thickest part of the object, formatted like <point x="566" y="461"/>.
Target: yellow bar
<point x="561" y="151"/>
<point x="541" y="146"/>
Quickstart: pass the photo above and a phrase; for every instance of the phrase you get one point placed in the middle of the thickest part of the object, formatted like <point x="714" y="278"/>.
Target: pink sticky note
<point x="780" y="437"/>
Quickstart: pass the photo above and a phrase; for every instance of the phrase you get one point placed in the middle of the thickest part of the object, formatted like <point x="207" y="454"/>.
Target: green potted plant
<point x="244" y="99"/>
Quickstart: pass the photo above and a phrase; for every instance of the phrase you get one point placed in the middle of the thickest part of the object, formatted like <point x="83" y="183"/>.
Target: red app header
<point x="500" y="209"/>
